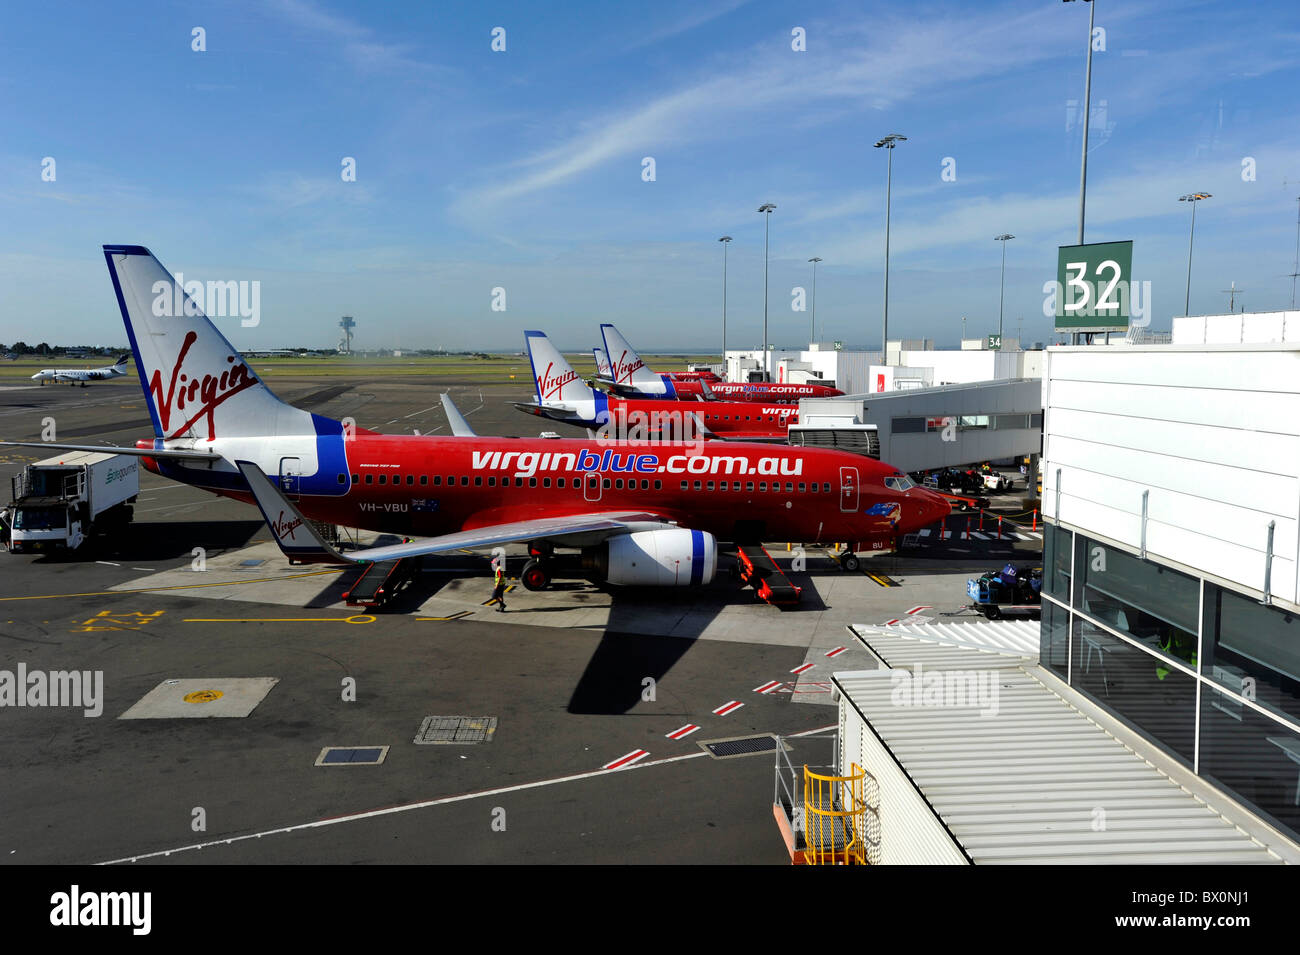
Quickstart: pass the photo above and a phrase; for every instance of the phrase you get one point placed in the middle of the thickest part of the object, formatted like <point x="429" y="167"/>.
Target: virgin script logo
<point x="549" y="386"/>
<point x="209" y="391"/>
<point x="285" y="528"/>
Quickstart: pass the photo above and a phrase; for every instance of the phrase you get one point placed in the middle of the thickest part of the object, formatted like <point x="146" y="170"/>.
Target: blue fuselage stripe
<point x="697" y="557"/>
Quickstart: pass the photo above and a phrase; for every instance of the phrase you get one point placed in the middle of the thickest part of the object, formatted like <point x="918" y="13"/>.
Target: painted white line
<point x="682" y="732"/>
<point x="767" y="687"/>
<point x="835" y="652"/>
<point x="804" y="668"/>
<point x="1036" y="535"/>
<point x="947" y="534"/>
<point x="426" y="804"/>
<point x="627" y="760"/>
<point x="925" y="532"/>
<point x="108" y="563"/>
<point x="726" y="708"/>
<point x="978" y="536"/>
<point x="918" y="608"/>
<point x="890" y="623"/>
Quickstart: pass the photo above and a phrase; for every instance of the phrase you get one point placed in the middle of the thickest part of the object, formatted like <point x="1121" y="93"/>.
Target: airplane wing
<point x="138" y="452"/>
<point x="299" y="540"/>
<point x="459" y="426"/>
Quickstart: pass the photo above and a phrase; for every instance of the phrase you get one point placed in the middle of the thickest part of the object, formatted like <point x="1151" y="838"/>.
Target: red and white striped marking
<point x="767" y="687"/>
<point x="916" y="610"/>
<point x="803" y="669"/>
<point x="726" y="708"/>
<point x="627" y="760"/>
<point x="890" y="623"/>
<point x="682" y="733"/>
<point x="836" y="652"/>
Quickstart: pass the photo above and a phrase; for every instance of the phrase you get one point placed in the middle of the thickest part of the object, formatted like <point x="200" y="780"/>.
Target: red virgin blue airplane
<point x="626" y="374"/>
<point x="563" y="396"/>
<point x="648" y="514"/>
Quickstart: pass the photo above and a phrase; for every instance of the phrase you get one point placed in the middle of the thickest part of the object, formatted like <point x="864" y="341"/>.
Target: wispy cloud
<point x="361" y="48"/>
<point x="892" y="63"/>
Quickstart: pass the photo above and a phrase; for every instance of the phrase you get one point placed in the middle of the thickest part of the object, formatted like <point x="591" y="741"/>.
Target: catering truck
<point x="59" y="502"/>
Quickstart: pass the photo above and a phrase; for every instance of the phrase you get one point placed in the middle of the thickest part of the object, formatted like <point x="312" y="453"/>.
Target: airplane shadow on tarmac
<point x="613" y="680"/>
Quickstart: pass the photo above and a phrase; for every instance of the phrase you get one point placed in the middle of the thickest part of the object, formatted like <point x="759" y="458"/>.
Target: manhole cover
<point x="739" y="746"/>
<point x="351" y="755"/>
<point x="203" y="696"/>
<point x="456" y="729"/>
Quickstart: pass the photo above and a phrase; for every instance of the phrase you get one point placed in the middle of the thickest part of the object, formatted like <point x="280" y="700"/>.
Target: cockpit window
<point x="899" y="482"/>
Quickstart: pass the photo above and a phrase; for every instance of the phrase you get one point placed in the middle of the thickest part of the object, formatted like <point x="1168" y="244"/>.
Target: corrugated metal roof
<point x="1037" y="781"/>
<point x="1018" y="638"/>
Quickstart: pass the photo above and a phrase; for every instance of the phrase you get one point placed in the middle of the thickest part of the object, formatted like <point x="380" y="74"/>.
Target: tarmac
<point x="194" y="613"/>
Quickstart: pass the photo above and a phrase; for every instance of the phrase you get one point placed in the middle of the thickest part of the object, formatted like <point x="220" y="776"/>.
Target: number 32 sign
<point x="1092" y="290"/>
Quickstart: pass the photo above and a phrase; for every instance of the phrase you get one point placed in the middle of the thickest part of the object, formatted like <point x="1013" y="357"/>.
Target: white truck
<point x="59" y="502"/>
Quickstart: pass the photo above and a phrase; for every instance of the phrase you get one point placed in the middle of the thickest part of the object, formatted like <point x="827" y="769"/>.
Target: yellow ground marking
<point x="359" y="618"/>
<point x="154" y="590"/>
<point x="203" y="696"/>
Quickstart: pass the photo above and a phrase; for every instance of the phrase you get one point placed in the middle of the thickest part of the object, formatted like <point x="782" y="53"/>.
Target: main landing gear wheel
<point x="849" y="561"/>
<point x="534" y="576"/>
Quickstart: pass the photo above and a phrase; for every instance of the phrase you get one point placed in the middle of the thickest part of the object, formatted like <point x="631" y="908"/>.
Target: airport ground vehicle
<point x="1010" y="591"/>
<point x="59" y="502"/>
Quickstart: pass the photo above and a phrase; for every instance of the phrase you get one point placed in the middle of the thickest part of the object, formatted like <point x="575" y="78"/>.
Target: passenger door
<point x="848" y="490"/>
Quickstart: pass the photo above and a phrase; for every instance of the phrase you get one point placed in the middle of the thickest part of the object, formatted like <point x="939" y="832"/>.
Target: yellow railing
<point x="835" y="818"/>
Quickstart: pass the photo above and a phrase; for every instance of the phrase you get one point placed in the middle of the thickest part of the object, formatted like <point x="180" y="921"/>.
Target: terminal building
<point x="911" y="364"/>
<point x="1153" y="714"/>
<point x="1171" y="588"/>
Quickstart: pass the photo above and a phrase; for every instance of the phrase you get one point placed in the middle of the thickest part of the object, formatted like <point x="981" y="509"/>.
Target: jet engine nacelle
<point x="667" y="558"/>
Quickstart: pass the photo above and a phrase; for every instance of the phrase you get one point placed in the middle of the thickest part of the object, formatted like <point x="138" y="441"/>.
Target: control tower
<point x="347" y="323"/>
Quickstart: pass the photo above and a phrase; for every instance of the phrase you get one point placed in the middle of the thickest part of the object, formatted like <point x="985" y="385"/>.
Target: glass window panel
<point x="1252" y="650"/>
<point x="1154" y="604"/>
<point x="1053" y="640"/>
<point x="1056" y="561"/>
<point x="1141" y="687"/>
<point x="1251" y="755"/>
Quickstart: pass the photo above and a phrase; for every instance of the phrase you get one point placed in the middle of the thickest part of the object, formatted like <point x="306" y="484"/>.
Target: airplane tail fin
<point x="627" y="369"/>
<point x="195" y="383"/>
<point x="602" y="363"/>
<point x="121" y="362"/>
<point x="554" y="378"/>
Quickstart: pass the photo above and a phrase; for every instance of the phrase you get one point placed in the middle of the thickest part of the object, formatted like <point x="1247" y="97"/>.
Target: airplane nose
<point x="928" y="508"/>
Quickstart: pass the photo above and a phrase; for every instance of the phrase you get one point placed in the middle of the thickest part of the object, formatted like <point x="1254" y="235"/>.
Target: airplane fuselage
<point x="425" y="486"/>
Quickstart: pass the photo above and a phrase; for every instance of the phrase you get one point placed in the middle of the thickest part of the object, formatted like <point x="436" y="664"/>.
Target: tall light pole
<point x="888" y="143"/>
<point x="1087" y="110"/>
<point x="1002" y="284"/>
<point x="814" y="260"/>
<point x="1193" y="198"/>
<point x="766" y="208"/>
<point x="724" y="240"/>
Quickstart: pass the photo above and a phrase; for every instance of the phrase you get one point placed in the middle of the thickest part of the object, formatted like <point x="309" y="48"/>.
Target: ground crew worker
<point x="499" y="592"/>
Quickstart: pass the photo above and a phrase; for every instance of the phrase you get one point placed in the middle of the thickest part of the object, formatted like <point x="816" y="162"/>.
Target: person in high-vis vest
<point x="499" y="592"/>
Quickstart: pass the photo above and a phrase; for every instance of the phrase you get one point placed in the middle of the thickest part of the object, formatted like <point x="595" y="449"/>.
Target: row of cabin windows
<point x="759" y="417"/>
<point x="505" y="481"/>
<point x="804" y="488"/>
<point x="617" y="483"/>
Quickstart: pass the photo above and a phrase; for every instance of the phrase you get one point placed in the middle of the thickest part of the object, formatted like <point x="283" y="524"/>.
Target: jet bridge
<point x="925" y="428"/>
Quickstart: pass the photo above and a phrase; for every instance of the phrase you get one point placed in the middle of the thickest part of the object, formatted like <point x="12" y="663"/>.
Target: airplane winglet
<point x="459" y="426"/>
<point x="295" y="536"/>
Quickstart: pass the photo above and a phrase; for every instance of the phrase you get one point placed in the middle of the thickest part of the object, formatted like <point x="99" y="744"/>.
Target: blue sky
<point x="523" y="169"/>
